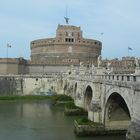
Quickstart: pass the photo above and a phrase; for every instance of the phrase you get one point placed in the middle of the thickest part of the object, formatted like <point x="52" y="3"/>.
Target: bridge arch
<point x="117" y="113"/>
<point x="88" y="97"/>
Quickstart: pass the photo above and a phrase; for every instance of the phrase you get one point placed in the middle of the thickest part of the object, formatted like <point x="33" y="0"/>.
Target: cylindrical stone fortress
<point x="68" y="48"/>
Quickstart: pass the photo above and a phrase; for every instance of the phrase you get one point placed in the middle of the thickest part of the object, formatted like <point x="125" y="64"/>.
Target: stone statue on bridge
<point x="137" y="62"/>
<point x="108" y="65"/>
<point x="99" y="61"/>
<point x="81" y="64"/>
<point x="93" y="69"/>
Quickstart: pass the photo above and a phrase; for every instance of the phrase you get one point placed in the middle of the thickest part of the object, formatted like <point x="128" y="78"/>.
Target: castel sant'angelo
<point x="68" y="48"/>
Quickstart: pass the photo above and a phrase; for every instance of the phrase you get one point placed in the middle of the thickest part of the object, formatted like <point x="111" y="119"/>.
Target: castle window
<point x="128" y="78"/>
<point x="95" y="43"/>
<point x="134" y="78"/>
<point x="69" y="40"/>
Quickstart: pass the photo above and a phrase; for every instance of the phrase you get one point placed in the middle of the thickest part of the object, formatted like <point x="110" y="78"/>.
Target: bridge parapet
<point x="88" y="78"/>
<point x="125" y="78"/>
<point x="129" y="81"/>
<point x="107" y="77"/>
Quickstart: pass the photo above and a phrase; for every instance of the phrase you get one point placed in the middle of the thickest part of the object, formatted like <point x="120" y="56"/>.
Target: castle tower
<point x="67" y="48"/>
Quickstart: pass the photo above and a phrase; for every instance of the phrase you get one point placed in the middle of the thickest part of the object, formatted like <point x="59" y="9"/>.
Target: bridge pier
<point x="133" y="132"/>
<point x="94" y="116"/>
<point x="94" y="113"/>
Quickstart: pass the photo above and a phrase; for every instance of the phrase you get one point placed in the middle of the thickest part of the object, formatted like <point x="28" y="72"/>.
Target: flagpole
<point x="7" y="58"/>
<point x="128" y="51"/>
<point x="7" y="52"/>
<point x="8" y="46"/>
<point x="101" y="35"/>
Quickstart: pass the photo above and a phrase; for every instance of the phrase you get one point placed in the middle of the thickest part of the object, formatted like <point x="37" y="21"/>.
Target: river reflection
<point x="37" y="120"/>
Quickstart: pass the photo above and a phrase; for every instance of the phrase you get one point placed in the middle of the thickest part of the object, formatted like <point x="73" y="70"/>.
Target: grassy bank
<point x="26" y="97"/>
<point x="54" y="98"/>
<point x="86" y="121"/>
<point x="61" y="100"/>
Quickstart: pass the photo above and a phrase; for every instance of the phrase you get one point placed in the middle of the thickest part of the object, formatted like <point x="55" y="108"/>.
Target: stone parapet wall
<point x="13" y="66"/>
<point x="8" y="66"/>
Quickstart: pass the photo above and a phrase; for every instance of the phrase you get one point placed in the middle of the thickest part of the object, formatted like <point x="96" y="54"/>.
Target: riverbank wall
<point x="11" y="86"/>
<point x="29" y="84"/>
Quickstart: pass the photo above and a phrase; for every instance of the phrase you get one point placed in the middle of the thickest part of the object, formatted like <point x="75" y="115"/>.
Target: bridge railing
<point x="116" y="79"/>
<point x="90" y="78"/>
<point x="123" y="78"/>
<point x="111" y="77"/>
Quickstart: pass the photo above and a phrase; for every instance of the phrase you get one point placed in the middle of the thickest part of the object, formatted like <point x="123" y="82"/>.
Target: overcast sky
<point x="22" y="21"/>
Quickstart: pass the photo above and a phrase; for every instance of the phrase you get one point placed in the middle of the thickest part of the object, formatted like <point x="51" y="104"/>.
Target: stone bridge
<point x="113" y="100"/>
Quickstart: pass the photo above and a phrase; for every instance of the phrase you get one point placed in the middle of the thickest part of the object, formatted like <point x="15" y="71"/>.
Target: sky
<point x="22" y="21"/>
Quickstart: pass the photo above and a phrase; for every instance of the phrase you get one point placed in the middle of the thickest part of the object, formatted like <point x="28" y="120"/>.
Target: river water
<point x="38" y="120"/>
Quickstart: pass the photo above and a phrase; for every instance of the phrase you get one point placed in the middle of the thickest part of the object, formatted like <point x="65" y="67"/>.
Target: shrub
<point x="85" y="121"/>
<point x="61" y="98"/>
